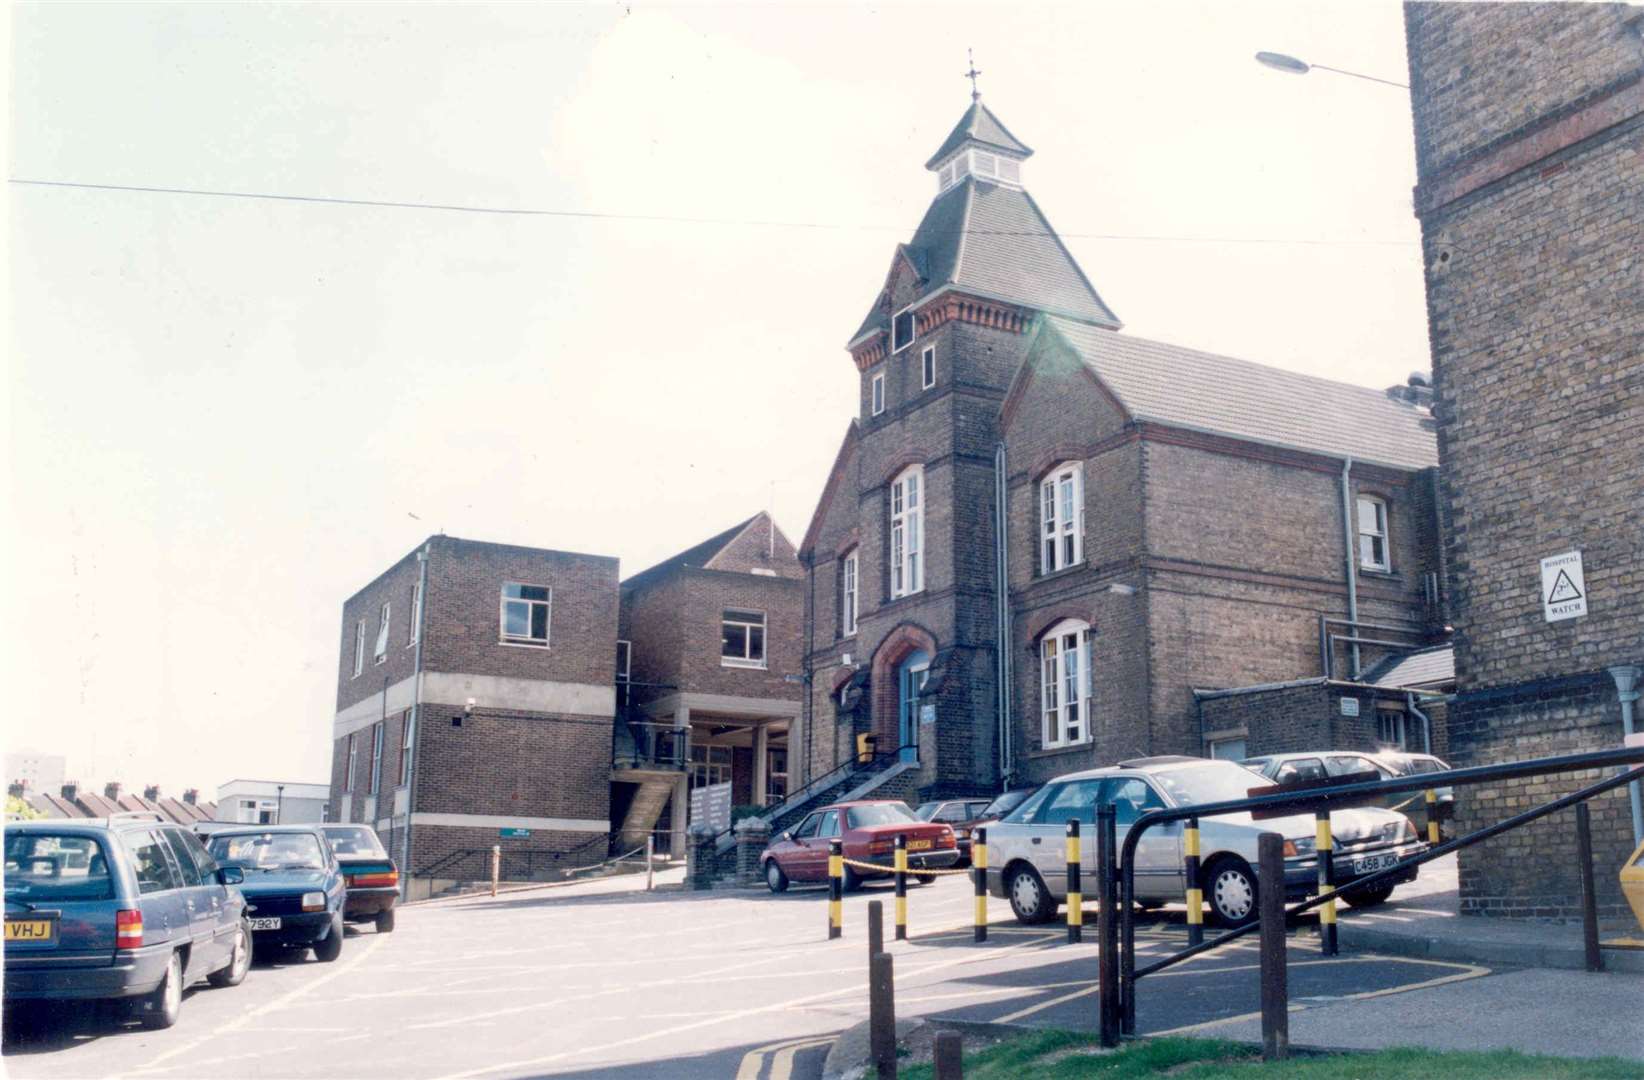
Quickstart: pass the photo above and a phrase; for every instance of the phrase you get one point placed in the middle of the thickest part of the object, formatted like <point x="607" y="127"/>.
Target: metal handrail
<point x="1324" y="799"/>
<point x="880" y="759"/>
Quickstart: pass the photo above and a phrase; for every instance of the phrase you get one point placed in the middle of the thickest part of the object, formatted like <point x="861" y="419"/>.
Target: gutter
<point x="1426" y="722"/>
<point x="416" y="713"/>
<point x="1002" y="658"/>
<point x="1352" y="563"/>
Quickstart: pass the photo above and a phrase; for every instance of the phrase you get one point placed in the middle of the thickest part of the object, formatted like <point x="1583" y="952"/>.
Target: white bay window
<point x="907" y="529"/>
<point x="1062" y="517"/>
<point x="1065" y="684"/>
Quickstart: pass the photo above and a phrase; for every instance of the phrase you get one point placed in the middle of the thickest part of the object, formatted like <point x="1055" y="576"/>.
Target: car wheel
<point x="774" y="877"/>
<point x="162" y="1007"/>
<point x="852" y="880"/>
<point x="1030" y="900"/>
<point x="330" y="947"/>
<point x="1368" y="897"/>
<point x="385" y="921"/>
<point x="921" y="879"/>
<point x="239" y="961"/>
<point x="1230" y="886"/>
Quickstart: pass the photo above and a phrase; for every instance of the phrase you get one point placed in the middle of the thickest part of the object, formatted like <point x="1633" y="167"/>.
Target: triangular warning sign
<point x="1563" y="590"/>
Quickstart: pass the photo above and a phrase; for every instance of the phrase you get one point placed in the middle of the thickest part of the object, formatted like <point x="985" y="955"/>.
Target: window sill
<point x="745" y="665"/>
<point x="1057" y="751"/>
<point x="1378" y="572"/>
<point x="524" y="644"/>
<point x="1065" y="571"/>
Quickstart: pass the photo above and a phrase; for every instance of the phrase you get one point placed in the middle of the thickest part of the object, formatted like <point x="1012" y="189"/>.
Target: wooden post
<point x="650" y="849"/>
<point x="882" y="1015"/>
<point x="496" y="866"/>
<point x="1107" y="925"/>
<point x="1589" y="901"/>
<point x="876" y="929"/>
<point x="950" y="1056"/>
<point x="1275" y="989"/>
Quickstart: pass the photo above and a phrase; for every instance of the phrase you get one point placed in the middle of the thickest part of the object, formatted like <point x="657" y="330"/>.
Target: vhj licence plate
<point x="918" y="845"/>
<point x="1371" y="863"/>
<point x="265" y="924"/>
<point x="42" y="930"/>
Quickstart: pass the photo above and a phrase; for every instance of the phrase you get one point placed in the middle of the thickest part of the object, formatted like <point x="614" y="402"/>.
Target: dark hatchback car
<point x="962" y="814"/>
<point x="121" y="907"/>
<point x="373" y="879"/>
<point x="294" y="887"/>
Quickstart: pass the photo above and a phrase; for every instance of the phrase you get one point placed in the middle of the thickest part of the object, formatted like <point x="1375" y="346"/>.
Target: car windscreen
<point x="56" y="867"/>
<point x="355" y="840"/>
<point x="884" y="814"/>
<point x="270" y="851"/>
<point x="927" y="811"/>
<point x="1196" y="785"/>
<point x="1005" y="803"/>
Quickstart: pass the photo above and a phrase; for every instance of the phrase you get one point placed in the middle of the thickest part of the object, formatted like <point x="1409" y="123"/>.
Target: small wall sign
<point x="1563" y="587"/>
<point x="927" y="713"/>
<point x="1349" y="706"/>
<point x="513" y="834"/>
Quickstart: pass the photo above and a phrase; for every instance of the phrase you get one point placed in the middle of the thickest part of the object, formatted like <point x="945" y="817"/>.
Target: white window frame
<point x="1064" y="687"/>
<point x="927" y="367"/>
<point x="876" y="393"/>
<point x="913" y="329"/>
<point x="747" y="659"/>
<point x="1062" y="517"/>
<point x="416" y="615"/>
<point x="1372" y="531"/>
<point x="348" y="777"/>
<point x="907" y="531"/>
<point x="359" y="648"/>
<point x="380" y="653"/>
<point x="625" y="660"/>
<point x="850" y="583"/>
<point x="1392" y="729"/>
<point x="526" y="640"/>
<point x="405" y="749"/>
<point x="376" y="757"/>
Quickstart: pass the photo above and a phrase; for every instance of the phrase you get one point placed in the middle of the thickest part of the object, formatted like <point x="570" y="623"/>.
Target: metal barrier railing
<point x="1120" y="1008"/>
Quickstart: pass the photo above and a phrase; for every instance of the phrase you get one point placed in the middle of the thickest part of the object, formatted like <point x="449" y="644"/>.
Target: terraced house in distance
<point x="476" y="696"/>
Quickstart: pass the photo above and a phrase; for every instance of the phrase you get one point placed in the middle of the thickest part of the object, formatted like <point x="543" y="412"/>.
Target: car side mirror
<point x="786" y="836"/>
<point x="230" y="875"/>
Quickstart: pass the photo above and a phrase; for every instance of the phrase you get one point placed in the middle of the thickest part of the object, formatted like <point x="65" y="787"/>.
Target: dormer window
<point x="902" y="330"/>
<point x="997" y="168"/>
<point x="984" y="164"/>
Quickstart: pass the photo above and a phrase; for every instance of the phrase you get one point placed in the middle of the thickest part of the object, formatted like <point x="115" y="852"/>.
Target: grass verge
<point x="1064" y="1055"/>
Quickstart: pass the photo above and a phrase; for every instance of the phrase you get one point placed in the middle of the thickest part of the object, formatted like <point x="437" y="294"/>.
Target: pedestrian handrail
<point x="1321" y="800"/>
<point x="880" y="759"/>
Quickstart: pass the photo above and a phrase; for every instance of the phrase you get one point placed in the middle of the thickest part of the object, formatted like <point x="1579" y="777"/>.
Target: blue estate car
<point x="128" y="906"/>
<point x="294" y="887"/>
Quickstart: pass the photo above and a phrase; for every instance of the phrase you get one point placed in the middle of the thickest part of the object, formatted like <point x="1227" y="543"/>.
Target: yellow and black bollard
<point x="1432" y="817"/>
<point x="836" y="889"/>
<point x="1075" y="897"/>
<point x="1325" y="847"/>
<point x="1190" y="877"/>
<point x="901" y="886"/>
<point x="979" y="866"/>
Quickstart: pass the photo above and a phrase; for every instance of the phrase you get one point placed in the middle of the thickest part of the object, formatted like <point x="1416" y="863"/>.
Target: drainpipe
<point x="1626" y="690"/>
<point x="1426" y="723"/>
<point x="1352" y="564"/>
<point x="416" y="713"/>
<point x="1001" y="548"/>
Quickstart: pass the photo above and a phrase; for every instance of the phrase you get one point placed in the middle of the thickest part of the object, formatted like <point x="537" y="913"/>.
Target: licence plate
<point x="265" y="924"/>
<point x="40" y="930"/>
<point x="918" y="845"/>
<point x="1371" y="863"/>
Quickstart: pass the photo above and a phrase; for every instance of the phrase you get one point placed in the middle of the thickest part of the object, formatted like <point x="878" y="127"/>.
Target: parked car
<point x="294" y="887"/>
<point x="962" y="814"/>
<point x="1001" y="805"/>
<point x="127" y="906"/>
<point x="1027" y="860"/>
<point x="868" y="831"/>
<point x="1386" y="764"/>
<point x="372" y="878"/>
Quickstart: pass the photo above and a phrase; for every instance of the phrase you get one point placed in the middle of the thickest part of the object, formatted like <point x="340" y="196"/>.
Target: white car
<point x="1027" y="858"/>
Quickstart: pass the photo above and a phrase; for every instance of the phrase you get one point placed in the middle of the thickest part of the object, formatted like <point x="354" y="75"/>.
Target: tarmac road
<point x="604" y="980"/>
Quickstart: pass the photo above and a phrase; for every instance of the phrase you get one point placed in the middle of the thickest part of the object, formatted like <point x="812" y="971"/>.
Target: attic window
<point x="902" y="330"/>
<point x="1010" y="171"/>
<point x="984" y="164"/>
<point x="948" y="176"/>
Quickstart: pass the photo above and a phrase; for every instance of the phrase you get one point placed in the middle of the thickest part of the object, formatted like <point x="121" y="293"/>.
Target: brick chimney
<point x="192" y="796"/>
<point x="152" y="793"/>
<point x="111" y="791"/>
<point x="71" y="791"/>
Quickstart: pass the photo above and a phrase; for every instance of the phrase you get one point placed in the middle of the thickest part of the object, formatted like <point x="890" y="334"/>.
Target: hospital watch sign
<point x="1563" y="587"/>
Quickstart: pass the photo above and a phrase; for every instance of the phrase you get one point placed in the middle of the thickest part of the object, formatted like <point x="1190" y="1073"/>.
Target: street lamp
<point x="279" y="802"/>
<point x="1292" y="66"/>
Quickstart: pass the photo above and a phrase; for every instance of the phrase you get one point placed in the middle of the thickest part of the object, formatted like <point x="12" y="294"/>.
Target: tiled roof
<point x="703" y="555"/>
<point x="979" y="125"/>
<point x="1420" y="670"/>
<point x="97" y="805"/>
<point x="994" y="241"/>
<point x="1240" y="399"/>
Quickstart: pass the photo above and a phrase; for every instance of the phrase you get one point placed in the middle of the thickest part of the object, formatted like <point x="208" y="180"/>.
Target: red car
<point x="869" y="831"/>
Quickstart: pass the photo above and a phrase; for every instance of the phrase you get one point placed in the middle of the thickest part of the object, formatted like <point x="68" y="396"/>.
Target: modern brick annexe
<point x="1529" y="127"/>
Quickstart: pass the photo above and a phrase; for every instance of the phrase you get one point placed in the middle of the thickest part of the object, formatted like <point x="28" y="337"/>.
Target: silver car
<point x="1028" y="860"/>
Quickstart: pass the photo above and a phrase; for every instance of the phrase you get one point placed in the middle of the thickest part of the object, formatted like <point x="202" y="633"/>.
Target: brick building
<point x="1132" y="520"/>
<point x="1529" y="123"/>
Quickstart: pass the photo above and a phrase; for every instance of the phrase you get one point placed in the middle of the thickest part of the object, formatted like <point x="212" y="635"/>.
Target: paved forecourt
<point x="607" y="980"/>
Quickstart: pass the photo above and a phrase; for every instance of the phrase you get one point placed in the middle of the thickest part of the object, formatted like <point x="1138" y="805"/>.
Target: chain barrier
<point x="912" y="870"/>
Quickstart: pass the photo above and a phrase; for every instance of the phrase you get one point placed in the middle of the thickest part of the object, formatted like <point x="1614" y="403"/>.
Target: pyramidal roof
<point x="981" y="126"/>
<point x="990" y="240"/>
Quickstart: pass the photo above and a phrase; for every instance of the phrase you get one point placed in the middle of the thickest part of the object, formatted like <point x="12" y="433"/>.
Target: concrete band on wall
<point x="488" y="691"/>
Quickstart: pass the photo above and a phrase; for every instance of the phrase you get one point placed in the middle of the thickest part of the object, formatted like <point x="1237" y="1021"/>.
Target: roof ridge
<point x="1077" y="268"/>
<point x="964" y="225"/>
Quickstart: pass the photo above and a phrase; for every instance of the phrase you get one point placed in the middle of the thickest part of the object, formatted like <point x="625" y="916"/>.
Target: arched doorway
<point x="910" y="679"/>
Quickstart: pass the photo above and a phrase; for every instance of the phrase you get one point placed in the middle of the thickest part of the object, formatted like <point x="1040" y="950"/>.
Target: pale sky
<point x="226" y="415"/>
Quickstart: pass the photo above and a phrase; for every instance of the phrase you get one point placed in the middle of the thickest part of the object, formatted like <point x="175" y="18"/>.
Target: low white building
<point x="271" y="802"/>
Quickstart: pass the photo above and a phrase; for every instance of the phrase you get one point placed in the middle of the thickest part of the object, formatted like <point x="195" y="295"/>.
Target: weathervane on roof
<point x="975" y="94"/>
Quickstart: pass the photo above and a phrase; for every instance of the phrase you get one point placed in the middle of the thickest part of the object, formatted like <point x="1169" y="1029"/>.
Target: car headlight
<point x="1294" y="849"/>
<point x="1393" y="829"/>
<point x="313" y="901"/>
